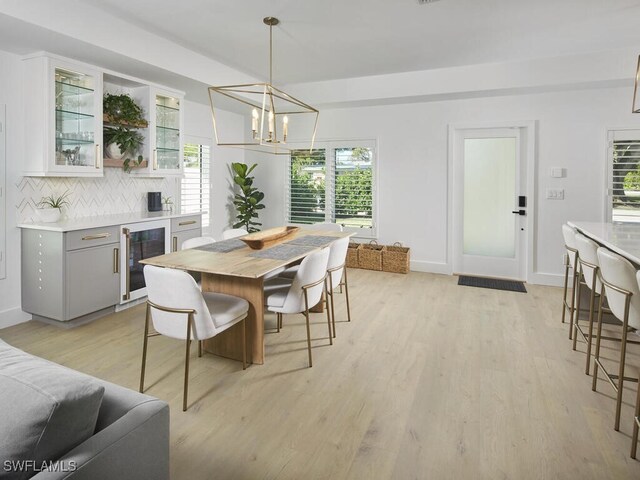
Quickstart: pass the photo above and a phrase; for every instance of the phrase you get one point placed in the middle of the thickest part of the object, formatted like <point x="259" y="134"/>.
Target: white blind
<point x="333" y="184"/>
<point x="625" y="176"/>
<point x="195" y="185"/>
<point x="307" y="187"/>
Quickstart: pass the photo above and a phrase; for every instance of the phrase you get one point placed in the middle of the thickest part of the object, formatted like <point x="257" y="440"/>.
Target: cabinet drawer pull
<point x="187" y="222"/>
<point x="175" y="244"/>
<point x="116" y="260"/>
<point x="96" y="236"/>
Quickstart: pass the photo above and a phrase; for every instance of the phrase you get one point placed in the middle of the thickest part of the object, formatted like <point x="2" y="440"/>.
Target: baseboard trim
<point x="549" y="279"/>
<point x="13" y="316"/>
<point x="430" y="267"/>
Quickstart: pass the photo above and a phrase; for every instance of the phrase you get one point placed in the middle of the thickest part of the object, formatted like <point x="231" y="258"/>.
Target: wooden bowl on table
<point x="265" y="238"/>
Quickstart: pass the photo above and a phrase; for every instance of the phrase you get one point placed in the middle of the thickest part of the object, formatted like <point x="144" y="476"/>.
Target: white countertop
<point x="99" y="221"/>
<point x="623" y="237"/>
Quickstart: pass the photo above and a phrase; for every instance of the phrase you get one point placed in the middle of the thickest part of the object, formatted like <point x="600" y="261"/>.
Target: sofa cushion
<point x="45" y="411"/>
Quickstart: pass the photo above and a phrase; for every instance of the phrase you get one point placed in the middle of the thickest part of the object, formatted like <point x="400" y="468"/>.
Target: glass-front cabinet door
<point x="63" y="114"/>
<point x="167" y="154"/>
<point x="76" y="127"/>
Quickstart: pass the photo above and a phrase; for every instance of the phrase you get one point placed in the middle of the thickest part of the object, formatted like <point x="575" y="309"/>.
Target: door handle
<point x="519" y="212"/>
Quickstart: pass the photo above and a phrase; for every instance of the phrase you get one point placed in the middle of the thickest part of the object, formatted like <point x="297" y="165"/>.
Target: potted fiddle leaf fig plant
<point x="49" y="209"/>
<point x="247" y="200"/>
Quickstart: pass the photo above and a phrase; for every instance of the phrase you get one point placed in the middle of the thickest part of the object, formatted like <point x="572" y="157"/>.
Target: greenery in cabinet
<point x="123" y="141"/>
<point x="247" y="202"/>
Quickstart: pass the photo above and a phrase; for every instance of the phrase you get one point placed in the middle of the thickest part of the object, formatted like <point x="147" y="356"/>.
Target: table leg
<point x="229" y="343"/>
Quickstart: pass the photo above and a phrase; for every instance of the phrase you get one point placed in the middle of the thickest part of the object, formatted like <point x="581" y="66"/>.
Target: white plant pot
<point x="113" y="151"/>
<point x="48" y="215"/>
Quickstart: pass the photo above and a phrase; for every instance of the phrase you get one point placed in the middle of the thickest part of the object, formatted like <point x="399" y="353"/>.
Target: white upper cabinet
<point x="165" y="134"/>
<point x="63" y="118"/>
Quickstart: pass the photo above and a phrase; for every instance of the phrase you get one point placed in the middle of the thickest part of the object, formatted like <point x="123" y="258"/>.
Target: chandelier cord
<point x="271" y="54"/>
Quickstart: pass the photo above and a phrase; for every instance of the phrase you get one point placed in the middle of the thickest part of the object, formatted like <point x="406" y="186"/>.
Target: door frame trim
<point x="529" y="141"/>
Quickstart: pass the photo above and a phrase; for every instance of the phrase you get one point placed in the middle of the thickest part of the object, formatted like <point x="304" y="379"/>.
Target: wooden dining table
<point x="241" y="272"/>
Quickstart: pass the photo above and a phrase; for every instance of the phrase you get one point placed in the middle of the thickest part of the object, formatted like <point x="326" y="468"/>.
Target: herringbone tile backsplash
<point x="116" y="192"/>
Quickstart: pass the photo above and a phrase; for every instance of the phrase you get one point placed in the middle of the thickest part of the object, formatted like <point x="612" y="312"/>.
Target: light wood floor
<point x="429" y="381"/>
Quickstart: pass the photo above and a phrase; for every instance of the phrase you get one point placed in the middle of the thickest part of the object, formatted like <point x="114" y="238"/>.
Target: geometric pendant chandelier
<point x="636" y="95"/>
<point x="276" y="117"/>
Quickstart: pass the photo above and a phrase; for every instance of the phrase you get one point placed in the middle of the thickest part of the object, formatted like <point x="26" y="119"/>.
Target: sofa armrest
<point x="134" y="447"/>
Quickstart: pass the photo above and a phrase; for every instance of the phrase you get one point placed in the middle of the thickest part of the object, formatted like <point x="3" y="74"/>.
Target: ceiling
<point x="331" y="39"/>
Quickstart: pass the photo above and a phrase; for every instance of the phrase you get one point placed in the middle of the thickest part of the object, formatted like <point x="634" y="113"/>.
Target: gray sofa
<point x="131" y="436"/>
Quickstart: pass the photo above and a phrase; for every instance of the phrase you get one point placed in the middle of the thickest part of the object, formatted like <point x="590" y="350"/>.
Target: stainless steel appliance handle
<point x="116" y="260"/>
<point x="127" y="235"/>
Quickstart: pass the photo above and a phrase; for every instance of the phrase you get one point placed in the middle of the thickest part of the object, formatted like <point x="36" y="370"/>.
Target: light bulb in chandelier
<point x="254" y="122"/>
<point x="285" y="128"/>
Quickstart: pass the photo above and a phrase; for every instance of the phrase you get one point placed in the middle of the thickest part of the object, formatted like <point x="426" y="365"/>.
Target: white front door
<point x="488" y="219"/>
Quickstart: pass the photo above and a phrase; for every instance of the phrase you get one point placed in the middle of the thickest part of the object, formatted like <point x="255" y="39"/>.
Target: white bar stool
<point x="570" y="263"/>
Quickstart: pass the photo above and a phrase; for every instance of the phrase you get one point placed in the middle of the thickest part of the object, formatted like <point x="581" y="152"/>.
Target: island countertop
<point x="99" y="221"/>
<point x="620" y="237"/>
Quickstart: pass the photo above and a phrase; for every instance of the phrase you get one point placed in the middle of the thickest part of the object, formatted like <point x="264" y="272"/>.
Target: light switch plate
<point x="555" y="194"/>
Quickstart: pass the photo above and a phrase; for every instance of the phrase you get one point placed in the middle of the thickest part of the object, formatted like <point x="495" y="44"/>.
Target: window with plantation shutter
<point x="195" y="185"/>
<point x="334" y="183"/>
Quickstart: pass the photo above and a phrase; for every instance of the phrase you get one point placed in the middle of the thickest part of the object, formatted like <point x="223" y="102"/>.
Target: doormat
<point x="494" y="283"/>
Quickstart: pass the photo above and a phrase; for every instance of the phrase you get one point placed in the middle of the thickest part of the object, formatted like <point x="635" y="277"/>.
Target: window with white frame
<point x="334" y="183"/>
<point x="624" y="175"/>
<point x="195" y="186"/>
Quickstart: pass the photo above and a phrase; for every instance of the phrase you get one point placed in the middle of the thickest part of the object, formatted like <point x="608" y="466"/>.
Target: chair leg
<point x="278" y="315"/>
<point x="596" y="357"/>
<point x="636" y="423"/>
<point x="575" y="314"/>
<point x="244" y="344"/>
<point x="346" y="293"/>
<point x="144" y="347"/>
<point x="200" y="348"/>
<point x="306" y="315"/>
<point x="328" y="315"/>
<point x="564" y="296"/>
<point x="333" y="311"/>
<point x="623" y="355"/>
<point x="186" y="363"/>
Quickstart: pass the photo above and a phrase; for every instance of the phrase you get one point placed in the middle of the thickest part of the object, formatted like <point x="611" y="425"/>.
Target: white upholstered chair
<point x="620" y="284"/>
<point x="329" y="226"/>
<point x="570" y="264"/>
<point x="197" y="242"/>
<point x="337" y="275"/>
<point x="588" y="267"/>
<point x="180" y="310"/>
<point x="283" y="296"/>
<point x="234" y="233"/>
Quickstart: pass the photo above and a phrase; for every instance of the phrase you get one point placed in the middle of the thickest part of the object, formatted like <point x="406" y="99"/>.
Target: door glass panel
<point x="168" y="132"/>
<point x="489" y="197"/>
<point x="75" y="123"/>
<point x="144" y="244"/>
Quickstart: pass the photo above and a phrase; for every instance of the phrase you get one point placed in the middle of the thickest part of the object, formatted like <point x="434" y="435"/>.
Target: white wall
<point x="199" y="123"/>
<point x="11" y="95"/>
<point x="412" y="168"/>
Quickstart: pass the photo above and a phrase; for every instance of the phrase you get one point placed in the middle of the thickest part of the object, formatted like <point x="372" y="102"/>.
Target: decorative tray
<point x="259" y="240"/>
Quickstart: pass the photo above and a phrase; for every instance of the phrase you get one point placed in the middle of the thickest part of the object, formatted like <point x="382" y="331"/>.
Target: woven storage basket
<point x="395" y="258"/>
<point x="352" y="255"/>
<point x="370" y="256"/>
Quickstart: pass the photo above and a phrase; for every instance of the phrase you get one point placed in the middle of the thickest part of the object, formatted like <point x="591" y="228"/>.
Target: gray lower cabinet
<point x="183" y="229"/>
<point x="66" y="275"/>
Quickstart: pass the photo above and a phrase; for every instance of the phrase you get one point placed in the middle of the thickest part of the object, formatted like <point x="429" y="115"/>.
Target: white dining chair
<point x="620" y="285"/>
<point x="197" y="242"/>
<point x="283" y="296"/>
<point x="570" y="264"/>
<point x="234" y="233"/>
<point x="336" y="275"/>
<point x="328" y="226"/>
<point x="178" y="309"/>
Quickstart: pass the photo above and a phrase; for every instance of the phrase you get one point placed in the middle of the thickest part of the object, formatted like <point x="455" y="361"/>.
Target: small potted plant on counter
<point x="50" y="208"/>
<point x="167" y="204"/>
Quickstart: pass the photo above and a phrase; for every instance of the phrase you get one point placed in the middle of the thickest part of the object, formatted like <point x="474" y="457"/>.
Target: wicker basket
<point x="352" y="255"/>
<point x="395" y="258"/>
<point x="370" y="256"/>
